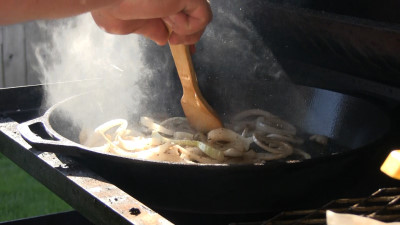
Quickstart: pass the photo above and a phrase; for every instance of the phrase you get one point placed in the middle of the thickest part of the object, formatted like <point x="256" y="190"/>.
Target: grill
<point x="382" y="205"/>
<point x="336" y="55"/>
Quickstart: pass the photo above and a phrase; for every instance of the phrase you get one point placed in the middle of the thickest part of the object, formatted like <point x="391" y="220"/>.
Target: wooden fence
<point x="18" y="65"/>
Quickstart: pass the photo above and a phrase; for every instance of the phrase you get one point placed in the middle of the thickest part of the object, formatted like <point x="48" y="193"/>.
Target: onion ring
<point x="273" y="145"/>
<point x="233" y="152"/>
<point x="251" y="113"/>
<point x="156" y="153"/>
<point x="228" y="139"/>
<point x="149" y="123"/>
<point x="193" y="156"/>
<point x="177" y="124"/>
<point x="287" y="137"/>
<point x="123" y="124"/>
<point x="183" y="135"/>
<point x="135" y="143"/>
<point x="275" y="126"/>
<point x="174" y="140"/>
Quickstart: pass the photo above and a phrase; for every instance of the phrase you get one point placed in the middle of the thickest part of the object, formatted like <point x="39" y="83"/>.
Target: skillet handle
<point x="42" y="140"/>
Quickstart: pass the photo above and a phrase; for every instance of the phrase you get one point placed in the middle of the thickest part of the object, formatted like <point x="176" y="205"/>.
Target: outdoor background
<point x="21" y="196"/>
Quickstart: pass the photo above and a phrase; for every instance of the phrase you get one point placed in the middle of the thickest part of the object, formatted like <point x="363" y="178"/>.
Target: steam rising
<point x="126" y="71"/>
<point x="85" y="58"/>
<point x="234" y="41"/>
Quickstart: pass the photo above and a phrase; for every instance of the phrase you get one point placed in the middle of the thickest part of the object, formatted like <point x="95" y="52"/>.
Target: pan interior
<point x="345" y="120"/>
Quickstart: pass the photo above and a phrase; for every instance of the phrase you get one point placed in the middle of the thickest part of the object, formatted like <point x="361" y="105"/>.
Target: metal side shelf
<point x="382" y="205"/>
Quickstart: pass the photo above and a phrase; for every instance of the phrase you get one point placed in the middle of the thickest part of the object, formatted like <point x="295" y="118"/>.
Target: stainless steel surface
<point x="382" y="205"/>
<point x="98" y="200"/>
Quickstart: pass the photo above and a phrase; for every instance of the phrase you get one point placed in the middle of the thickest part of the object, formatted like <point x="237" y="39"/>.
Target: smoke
<point x="233" y="61"/>
<point x="233" y="41"/>
<point x="126" y="72"/>
<point x="80" y="57"/>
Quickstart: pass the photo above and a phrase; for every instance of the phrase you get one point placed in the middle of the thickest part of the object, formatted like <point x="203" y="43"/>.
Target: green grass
<point x="21" y="196"/>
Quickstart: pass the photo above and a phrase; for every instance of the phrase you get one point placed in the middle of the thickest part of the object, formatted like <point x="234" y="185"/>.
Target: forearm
<point x="16" y="11"/>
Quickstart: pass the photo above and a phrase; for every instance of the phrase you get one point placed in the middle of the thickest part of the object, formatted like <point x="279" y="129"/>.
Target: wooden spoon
<point x="198" y="112"/>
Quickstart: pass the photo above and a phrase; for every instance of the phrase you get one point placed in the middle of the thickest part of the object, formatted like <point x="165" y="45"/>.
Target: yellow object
<point x="391" y="166"/>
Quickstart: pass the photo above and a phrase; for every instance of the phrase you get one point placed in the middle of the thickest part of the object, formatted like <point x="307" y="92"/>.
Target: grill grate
<point x="382" y="205"/>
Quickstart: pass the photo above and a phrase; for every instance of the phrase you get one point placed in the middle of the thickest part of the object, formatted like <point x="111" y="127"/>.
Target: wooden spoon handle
<point x="198" y="112"/>
<point x="184" y="66"/>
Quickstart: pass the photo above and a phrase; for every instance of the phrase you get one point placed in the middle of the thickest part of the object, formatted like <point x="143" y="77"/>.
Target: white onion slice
<point x="183" y="135"/>
<point x="252" y="113"/>
<point x="176" y="141"/>
<point x="229" y="139"/>
<point x="233" y="152"/>
<point x="177" y="124"/>
<point x="272" y="145"/>
<point x="288" y="138"/>
<point x="157" y="154"/>
<point x="91" y="139"/>
<point x="135" y="143"/>
<point x="123" y="124"/>
<point x="207" y="149"/>
<point x="193" y="156"/>
<point x="244" y="125"/>
<point x="275" y="126"/>
<point x="149" y="123"/>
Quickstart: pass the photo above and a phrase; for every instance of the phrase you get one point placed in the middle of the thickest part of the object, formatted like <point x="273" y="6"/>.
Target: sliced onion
<point x="252" y="113"/>
<point x="222" y="134"/>
<point x="245" y="132"/>
<point x="136" y="143"/>
<point x="193" y="156"/>
<point x="149" y="123"/>
<point x="208" y="150"/>
<point x="123" y="124"/>
<point x="287" y="137"/>
<point x="231" y="138"/>
<point x="233" y="152"/>
<point x="177" y="124"/>
<point x="244" y="125"/>
<point x="176" y="141"/>
<point x="200" y="137"/>
<point x="102" y="129"/>
<point x="158" y="153"/>
<point x="275" y="126"/>
<point x="272" y="145"/>
<point x="92" y="139"/>
<point x="183" y="135"/>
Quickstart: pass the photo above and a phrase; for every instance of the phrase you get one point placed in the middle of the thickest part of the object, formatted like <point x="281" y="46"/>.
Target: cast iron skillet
<point x="350" y="123"/>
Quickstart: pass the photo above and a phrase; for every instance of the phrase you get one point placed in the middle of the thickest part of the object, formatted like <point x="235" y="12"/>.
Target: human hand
<point x="187" y="19"/>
